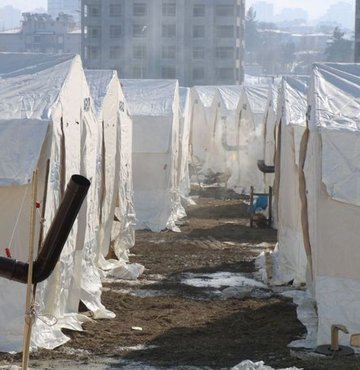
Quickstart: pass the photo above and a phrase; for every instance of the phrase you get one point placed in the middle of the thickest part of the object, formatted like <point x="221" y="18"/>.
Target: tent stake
<point x="29" y="314"/>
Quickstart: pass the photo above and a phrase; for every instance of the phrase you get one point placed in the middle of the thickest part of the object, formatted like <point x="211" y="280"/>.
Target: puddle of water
<point x="219" y="279"/>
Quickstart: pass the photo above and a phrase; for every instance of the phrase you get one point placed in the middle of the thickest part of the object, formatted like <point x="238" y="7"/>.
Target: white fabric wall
<point x="154" y="108"/>
<point x="333" y="212"/>
<point x="291" y="125"/>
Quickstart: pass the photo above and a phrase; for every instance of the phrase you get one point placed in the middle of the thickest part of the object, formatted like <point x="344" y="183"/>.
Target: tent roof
<point x="230" y="96"/>
<point x="337" y="100"/>
<point x="294" y="101"/>
<point x="99" y="81"/>
<point x="206" y="94"/>
<point x="30" y="92"/>
<point x="15" y="64"/>
<point x="30" y="85"/>
<point x="150" y="97"/>
<point x="257" y="97"/>
<point x="183" y="95"/>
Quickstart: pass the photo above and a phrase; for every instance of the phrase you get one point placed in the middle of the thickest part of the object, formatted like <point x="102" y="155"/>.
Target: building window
<point x="225" y="74"/>
<point x="198" y="74"/>
<point x="139" y="52"/>
<point x="199" y="10"/>
<point x="115" y="32"/>
<point x="93" y="52"/>
<point x="37" y="39"/>
<point x="94" y="32"/>
<point x="168" y="72"/>
<point x="115" y="52"/>
<point x="168" y="52"/>
<point x="85" y="32"/>
<point x="225" y="31"/>
<point x="225" y="10"/>
<point x="115" y="10"/>
<point x="139" y="9"/>
<point x="169" y="9"/>
<point x="168" y="30"/>
<point x="138" y="72"/>
<point x="139" y="30"/>
<point x="85" y="11"/>
<point x="94" y="11"/>
<point x="199" y="53"/>
<point x="198" y="32"/>
<point x="224" y="52"/>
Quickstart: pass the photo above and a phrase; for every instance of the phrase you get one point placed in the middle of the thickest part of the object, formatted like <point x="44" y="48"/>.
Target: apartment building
<point x="357" y="32"/>
<point x="41" y="33"/>
<point x="199" y="42"/>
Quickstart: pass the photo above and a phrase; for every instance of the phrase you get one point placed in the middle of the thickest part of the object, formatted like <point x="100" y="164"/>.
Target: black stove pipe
<point x="264" y="168"/>
<point x="55" y="239"/>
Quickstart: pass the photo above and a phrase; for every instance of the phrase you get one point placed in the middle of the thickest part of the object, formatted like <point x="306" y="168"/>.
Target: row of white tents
<point x="317" y="148"/>
<point x="134" y="141"/>
<point x="307" y="128"/>
<point x="127" y="138"/>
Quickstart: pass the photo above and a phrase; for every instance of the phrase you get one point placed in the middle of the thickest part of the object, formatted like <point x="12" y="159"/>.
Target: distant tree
<point x="339" y="49"/>
<point x="287" y="53"/>
<point x="251" y="31"/>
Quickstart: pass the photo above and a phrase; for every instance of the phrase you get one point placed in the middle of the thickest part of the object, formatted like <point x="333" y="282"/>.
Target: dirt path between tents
<point x="191" y="307"/>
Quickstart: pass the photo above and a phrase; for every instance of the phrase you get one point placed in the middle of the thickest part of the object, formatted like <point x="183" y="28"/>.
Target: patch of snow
<point x="249" y="365"/>
<point x="219" y="279"/>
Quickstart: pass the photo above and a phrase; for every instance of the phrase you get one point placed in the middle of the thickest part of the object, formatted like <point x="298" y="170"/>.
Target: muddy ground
<point x="163" y="322"/>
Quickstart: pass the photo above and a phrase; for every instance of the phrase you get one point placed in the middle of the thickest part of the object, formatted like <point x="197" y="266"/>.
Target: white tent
<point x="252" y="106"/>
<point x="291" y="261"/>
<point x="116" y="188"/>
<point x="228" y="128"/>
<point x="269" y="131"/>
<point x="203" y="118"/>
<point x="154" y="108"/>
<point x="184" y="143"/>
<point x="332" y="176"/>
<point x="43" y="101"/>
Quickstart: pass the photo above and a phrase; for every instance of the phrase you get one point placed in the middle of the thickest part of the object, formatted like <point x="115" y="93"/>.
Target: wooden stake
<point x="29" y="315"/>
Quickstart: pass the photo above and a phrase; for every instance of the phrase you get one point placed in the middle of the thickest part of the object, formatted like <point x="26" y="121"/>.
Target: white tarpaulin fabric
<point x="252" y="107"/>
<point x="332" y="176"/>
<point x="154" y="108"/>
<point x="48" y="92"/>
<point x="184" y="142"/>
<point x="227" y="130"/>
<point x="116" y="164"/>
<point x="203" y="117"/>
<point x="291" y="124"/>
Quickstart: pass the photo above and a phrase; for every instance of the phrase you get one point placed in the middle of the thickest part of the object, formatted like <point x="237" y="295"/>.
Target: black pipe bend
<point x="55" y="239"/>
<point x="264" y="168"/>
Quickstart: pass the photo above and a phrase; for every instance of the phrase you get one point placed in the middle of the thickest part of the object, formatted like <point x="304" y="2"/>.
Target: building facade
<point x="357" y="32"/>
<point x="198" y="42"/>
<point x="40" y="33"/>
<point x="71" y="7"/>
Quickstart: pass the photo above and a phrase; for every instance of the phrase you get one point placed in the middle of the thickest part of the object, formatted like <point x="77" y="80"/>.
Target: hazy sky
<point x="315" y="8"/>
